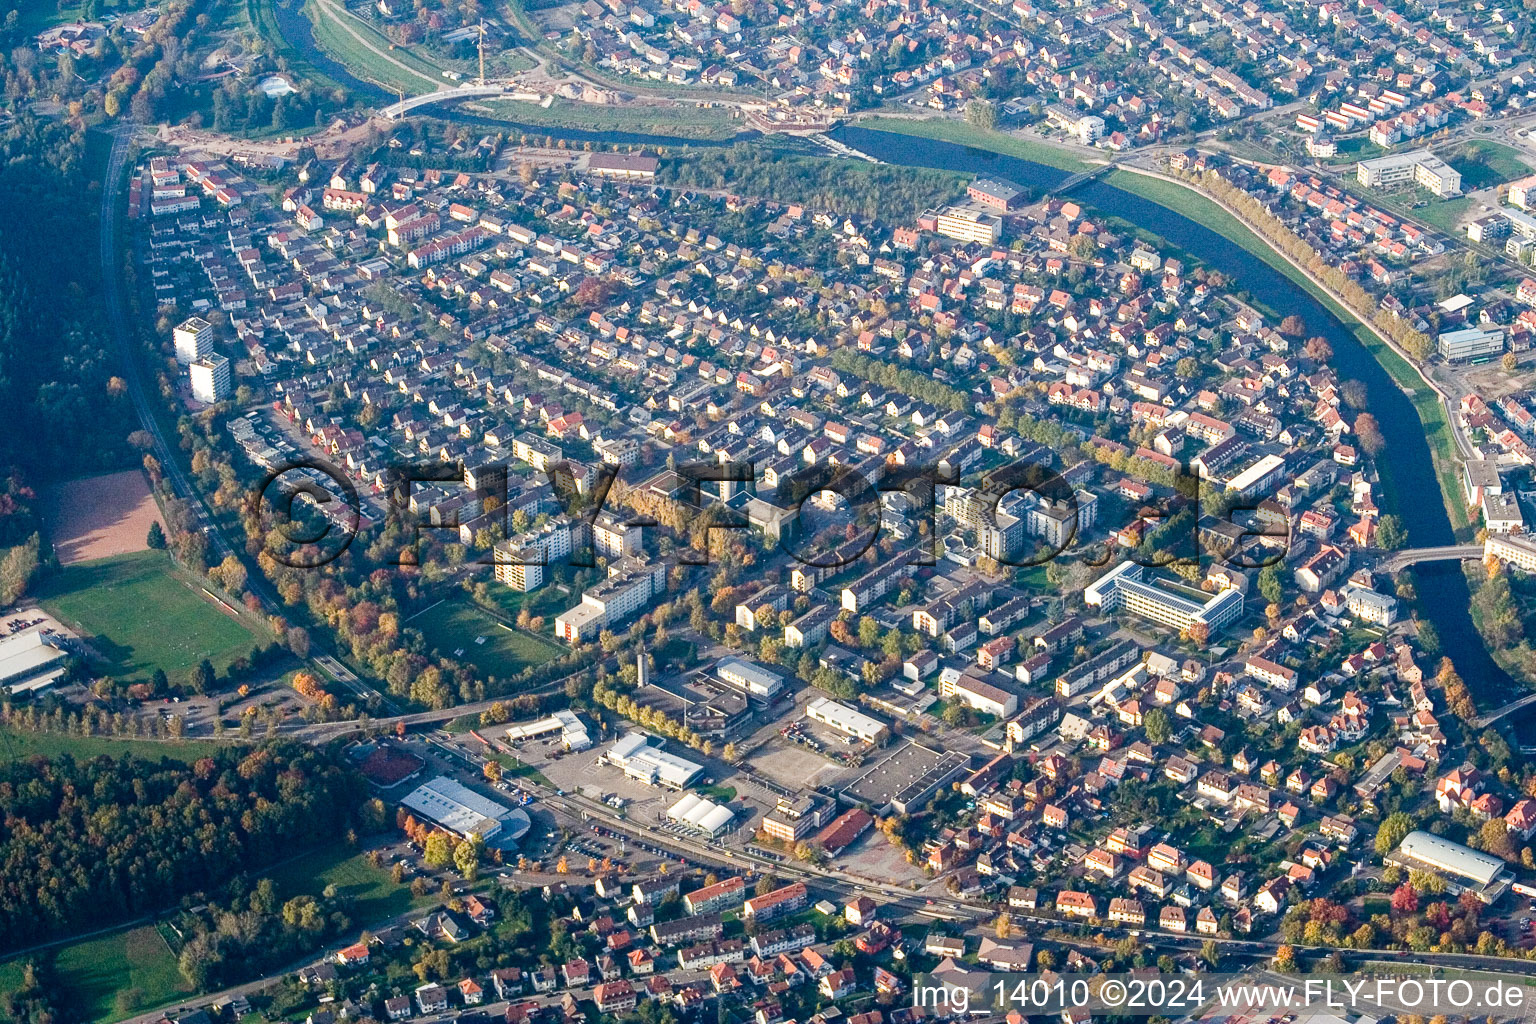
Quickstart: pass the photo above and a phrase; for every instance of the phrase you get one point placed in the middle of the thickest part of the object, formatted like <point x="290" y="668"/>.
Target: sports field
<point x="99" y="516"/>
<point x="140" y="612"/>
<point x="454" y="626"/>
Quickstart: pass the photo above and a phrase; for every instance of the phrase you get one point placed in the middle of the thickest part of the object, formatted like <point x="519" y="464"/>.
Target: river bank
<point x="1429" y="400"/>
<point x="1444" y="595"/>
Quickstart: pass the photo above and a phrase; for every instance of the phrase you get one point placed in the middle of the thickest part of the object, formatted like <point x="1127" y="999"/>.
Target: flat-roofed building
<point x="756" y="681"/>
<point x="847" y="720"/>
<point x="1470" y="343"/>
<point x="1127" y="587"/>
<point x="1421" y="167"/>
<point x="1515" y="549"/>
<point x="906" y="780"/>
<point x="456" y="808"/>
<point x="642" y="761"/>
<point x="969" y="224"/>
<point x="1464" y="869"/>
<point x="194" y="340"/>
<point x="994" y="193"/>
<point x="573" y="732"/>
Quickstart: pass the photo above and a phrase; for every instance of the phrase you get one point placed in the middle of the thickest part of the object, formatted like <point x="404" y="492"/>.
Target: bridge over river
<point x="1399" y="560"/>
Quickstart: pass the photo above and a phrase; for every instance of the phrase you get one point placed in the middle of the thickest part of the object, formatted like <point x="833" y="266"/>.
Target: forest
<point x="93" y="842"/>
<point x="895" y="194"/>
<point x="66" y="411"/>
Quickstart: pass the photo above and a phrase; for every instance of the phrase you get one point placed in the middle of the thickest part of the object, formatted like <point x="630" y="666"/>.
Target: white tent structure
<point x="701" y="815"/>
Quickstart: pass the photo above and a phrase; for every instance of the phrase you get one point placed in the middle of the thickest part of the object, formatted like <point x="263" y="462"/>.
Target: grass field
<point x="375" y="896"/>
<point x="1484" y="164"/>
<point x="143" y="613"/>
<point x="452" y="626"/>
<point x="17" y="745"/>
<point x="683" y="122"/>
<point x="1437" y="428"/>
<point x="368" y="54"/>
<point x="963" y="134"/>
<point x="117" y="975"/>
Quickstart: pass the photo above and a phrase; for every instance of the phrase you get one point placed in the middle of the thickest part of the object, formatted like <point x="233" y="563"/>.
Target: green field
<point x="961" y="133"/>
<point x="452" y="626"/>
<point x="134" y="966"/>
<point x="684" y="122"/>
<point x="375" y="897"/>
<point x="142" y="612"/>
<point x="16" y="745"/>
<point x="1484" y="164"/>
<point x="371" y="56"/>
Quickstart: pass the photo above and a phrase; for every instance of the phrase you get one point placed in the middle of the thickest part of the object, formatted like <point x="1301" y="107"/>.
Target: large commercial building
<point x="1128" y="587"/>
<point x="969" y="224"/>
<point x="905" y="781"/>
<point x="701" y="815"/>
<point x="29" y="661"/>
<point x="757" y="682"/>
<point x="1470" y="343"/>
<point x="456" y="808"/>
<point x="1421" y="167"/>
<point x="846" y="720"/>
<point x="1464" y="869"/>
<point x="650" y="764"/>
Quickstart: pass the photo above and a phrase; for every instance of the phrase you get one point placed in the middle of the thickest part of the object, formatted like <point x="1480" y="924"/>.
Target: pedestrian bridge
<point x="1398" y="560"/>
<point x="395" y="111"/>
<point x="1488" y="718"/>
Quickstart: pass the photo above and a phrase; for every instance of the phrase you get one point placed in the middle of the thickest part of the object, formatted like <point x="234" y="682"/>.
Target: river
<point x="1415" y="492"/>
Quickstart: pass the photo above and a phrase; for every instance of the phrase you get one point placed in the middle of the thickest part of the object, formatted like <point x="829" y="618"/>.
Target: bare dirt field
<point x="98" y="516"/>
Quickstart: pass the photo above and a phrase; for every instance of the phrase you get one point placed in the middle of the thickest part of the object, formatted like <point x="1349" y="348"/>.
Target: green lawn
<point x="141" y="613"/>
<point x="375" y="59"/>
<point x="690" y="122"/>
<point x="15" y="745"/>
<point x="1484" y="164"/>
<point x="375" y="896"/>
<point x="452" y="627"/>
<point x="965" y="134"/>
<point x="1443" y="214"/>
<point x="117" y="975"/>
